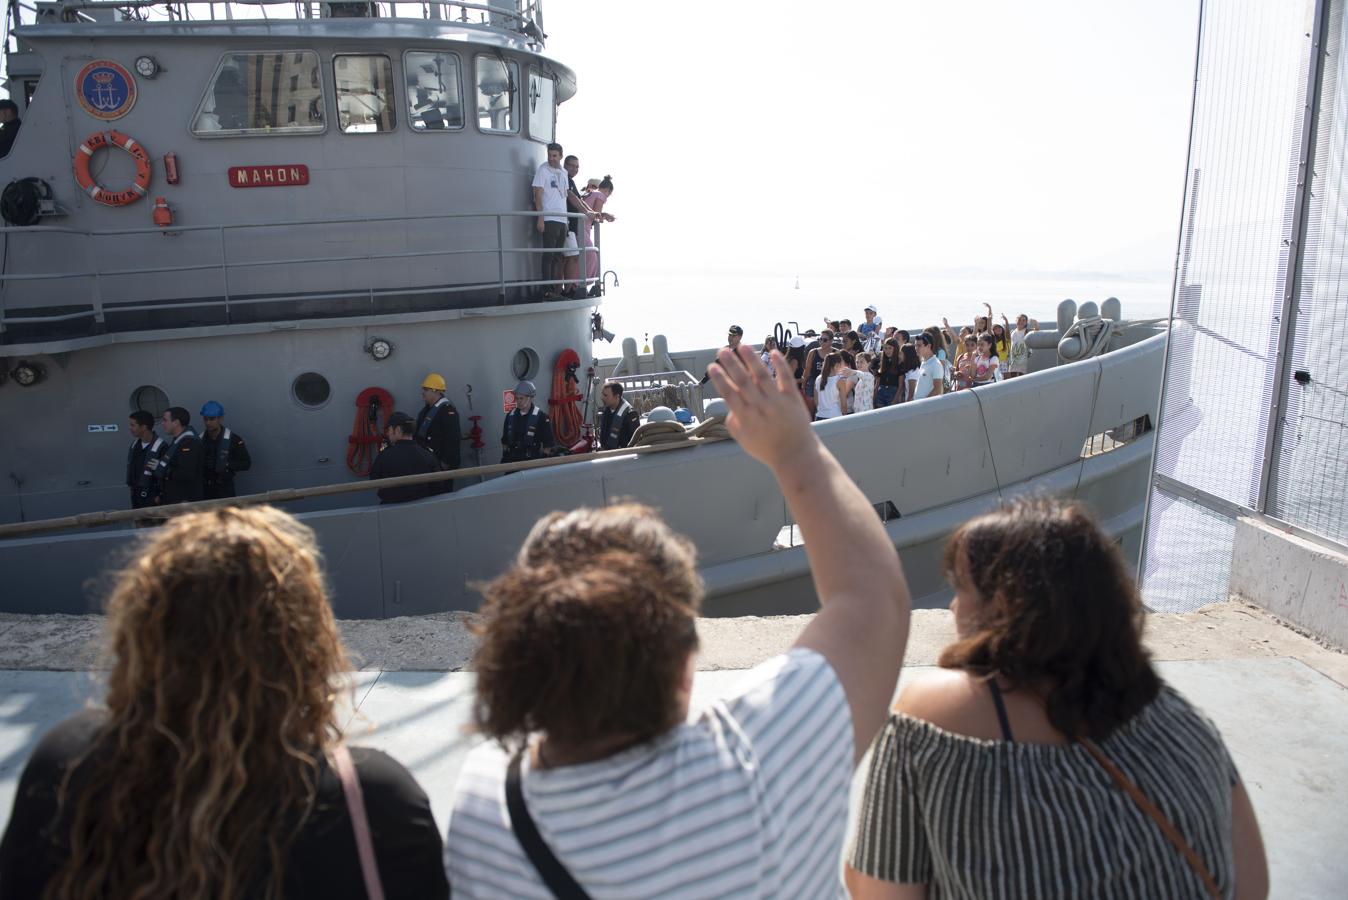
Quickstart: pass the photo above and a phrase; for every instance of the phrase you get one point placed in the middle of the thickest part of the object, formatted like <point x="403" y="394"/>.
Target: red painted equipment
<point x="171" y="168"/>
<point x="589" y="441"/>
<point x="565" y="401"/>
<point x="475" y="433"/>
<point x="163" y="216"/>
<point x="373" y="407"/>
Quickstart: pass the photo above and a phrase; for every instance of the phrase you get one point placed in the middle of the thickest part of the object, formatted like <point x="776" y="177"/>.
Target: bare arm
<point x="864" y="887"/>
<point x="538" y="205"/>
<point x="1247" y="846"/>
<point x="862" y="625"/>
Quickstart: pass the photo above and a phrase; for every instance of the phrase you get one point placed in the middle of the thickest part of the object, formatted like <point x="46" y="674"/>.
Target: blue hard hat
<point x="212" y="409"/>
<point x="684" y="416"/>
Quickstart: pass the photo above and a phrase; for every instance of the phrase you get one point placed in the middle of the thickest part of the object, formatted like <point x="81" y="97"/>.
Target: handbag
<point x="360" y="823"/>
<point x="1167" y="828"/>
<point x="555" y="875"/>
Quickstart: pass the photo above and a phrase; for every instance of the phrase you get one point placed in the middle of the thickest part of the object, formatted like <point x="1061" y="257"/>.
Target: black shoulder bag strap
<point x="549" y="867"/>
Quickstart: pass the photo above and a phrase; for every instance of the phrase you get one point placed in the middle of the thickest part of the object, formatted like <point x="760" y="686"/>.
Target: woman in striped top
<point x="986" y="781"/>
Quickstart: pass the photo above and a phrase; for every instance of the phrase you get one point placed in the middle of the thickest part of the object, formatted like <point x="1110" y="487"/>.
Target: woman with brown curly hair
<point x="217" y="768"/>
<point x="1048" y="759"/>
<point x="597" y="780"/>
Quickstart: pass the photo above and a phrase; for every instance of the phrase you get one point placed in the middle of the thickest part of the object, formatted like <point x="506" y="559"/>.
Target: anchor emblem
<point x="105" y="90"/>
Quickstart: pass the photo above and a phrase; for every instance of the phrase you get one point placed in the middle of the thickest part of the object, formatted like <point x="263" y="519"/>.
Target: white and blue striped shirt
<point x="747" y="799"/>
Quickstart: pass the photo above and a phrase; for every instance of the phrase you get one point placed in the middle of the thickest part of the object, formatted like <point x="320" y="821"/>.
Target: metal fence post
<point x="1296" y="255"/>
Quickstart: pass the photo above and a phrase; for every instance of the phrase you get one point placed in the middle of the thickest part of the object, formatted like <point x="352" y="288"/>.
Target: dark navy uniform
<point x="405" y="458"/>
<point x="142" y="471"/>
<point x="180" y="479"/>
<point x="616" y="426"/>
<point x="220" y="458"/>
<point x="438" y="431"/>
<point x="525" y="435"/>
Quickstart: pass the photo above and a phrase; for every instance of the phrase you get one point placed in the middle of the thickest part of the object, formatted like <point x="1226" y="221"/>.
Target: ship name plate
<point x="268" y="176"/>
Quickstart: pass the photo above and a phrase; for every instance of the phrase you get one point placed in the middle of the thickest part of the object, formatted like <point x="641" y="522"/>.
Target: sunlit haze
<point x="873" y="138"/>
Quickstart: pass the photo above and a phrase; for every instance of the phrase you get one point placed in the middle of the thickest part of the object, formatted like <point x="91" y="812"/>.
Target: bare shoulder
<point x="948" y="698"/>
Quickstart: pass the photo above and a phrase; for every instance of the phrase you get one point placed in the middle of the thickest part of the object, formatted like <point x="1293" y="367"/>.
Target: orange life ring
<point x="95" y="142"/>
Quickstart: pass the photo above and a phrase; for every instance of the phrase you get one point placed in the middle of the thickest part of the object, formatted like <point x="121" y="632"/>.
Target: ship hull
<point x="928" y="466"/>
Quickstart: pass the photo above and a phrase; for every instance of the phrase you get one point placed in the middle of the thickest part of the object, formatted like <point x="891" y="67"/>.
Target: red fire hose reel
<point x="373" y="407"/>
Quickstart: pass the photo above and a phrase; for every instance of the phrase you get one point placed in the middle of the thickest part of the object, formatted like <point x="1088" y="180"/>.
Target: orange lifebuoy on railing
<point x="373" y="407"/>
<point x="97" y="141"/>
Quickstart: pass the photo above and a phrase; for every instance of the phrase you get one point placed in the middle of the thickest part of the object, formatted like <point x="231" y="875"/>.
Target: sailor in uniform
<point x="142" y="460"/>
<point x="180" y="478"/>
<point x="618" y="421"/>
<point x="528" y="431"/>
<point x="438" y="425"/>
<point x="222" y="454"/>
<point x="403" y="456"/>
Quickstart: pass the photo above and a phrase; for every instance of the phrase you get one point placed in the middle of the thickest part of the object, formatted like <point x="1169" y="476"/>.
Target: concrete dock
<point x="1280" y="699"/>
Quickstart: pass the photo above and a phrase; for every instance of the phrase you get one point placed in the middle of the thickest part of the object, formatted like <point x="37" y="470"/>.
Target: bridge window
<point x="542" y="107"/>
<point x="254" y="93"/>
<point x="364" y="99"/>
<point x="433" y="99"/>
<point x="497" y="84"/>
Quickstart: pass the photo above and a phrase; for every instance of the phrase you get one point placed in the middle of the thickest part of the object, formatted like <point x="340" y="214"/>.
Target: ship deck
<point x="1280" y="699"/>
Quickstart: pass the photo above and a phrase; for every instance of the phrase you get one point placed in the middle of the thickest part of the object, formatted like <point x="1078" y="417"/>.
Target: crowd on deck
<point x="842" y="370"/>
<point x="1044" y="758"/>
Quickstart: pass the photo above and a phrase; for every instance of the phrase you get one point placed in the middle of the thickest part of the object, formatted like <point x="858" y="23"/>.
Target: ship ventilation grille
<point x="1116" y="437"/>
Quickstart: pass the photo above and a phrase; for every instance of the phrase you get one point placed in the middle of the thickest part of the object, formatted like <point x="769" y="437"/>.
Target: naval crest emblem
<point x="105" y="90"/>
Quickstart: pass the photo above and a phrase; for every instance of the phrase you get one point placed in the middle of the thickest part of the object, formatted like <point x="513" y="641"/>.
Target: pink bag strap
<point x="360" y="823"/>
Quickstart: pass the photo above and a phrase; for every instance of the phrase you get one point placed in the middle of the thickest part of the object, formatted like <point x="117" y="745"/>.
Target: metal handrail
<point x="97" y="307"/>
<point x="525" y="19"/>
<point x="288" y="495"/>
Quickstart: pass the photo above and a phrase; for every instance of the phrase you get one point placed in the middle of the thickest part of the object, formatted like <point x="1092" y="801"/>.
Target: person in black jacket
<point x="618" y="421"/>
<point x="9" y="125"/>
<point x="180" y="475"/>
<point x="222" y="453"/>
<point x="438" y="424"/>
<point x="142" y="460"/>
<point x="403" y="456"/>
<point x="527" y="433"/>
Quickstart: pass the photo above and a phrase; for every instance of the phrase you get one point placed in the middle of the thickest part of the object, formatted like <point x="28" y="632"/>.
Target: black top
<point x="323" y="861"/>
<point x="237" y="460"/>
<point x="573" y="224"/>
<point x="442" y="436"/>
<point x="181" y="477"/>
<point x="8" y="132"/>
<point x="525" y="436"/>
<point x="404" y="458"/>
<point x="616" y="435"/>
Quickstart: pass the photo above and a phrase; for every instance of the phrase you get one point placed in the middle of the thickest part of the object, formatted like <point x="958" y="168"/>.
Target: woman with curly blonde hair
<point x="216" y="767"/>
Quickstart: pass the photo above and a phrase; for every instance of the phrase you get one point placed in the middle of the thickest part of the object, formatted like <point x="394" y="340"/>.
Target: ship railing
<point x="10" y="316"/>
<point x="521" y="17"/>
<point x="291" y="495"/>
<point x="672" y="389"/>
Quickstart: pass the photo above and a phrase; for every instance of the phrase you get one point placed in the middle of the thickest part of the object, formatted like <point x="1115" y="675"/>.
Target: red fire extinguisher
<point x="163" y="216"/>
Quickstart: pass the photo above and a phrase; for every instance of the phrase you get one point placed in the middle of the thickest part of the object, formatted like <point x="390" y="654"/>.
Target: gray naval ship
<point x="288" y="208"/>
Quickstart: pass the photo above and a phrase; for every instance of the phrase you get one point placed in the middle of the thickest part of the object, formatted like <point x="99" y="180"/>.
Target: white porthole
<point x="311" y="390"/>
<point x="524" y="366"/>
<point x="150" y="399"/>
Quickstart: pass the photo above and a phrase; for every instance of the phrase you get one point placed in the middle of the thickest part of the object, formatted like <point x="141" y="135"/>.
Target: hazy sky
<point x="884" y="136"/>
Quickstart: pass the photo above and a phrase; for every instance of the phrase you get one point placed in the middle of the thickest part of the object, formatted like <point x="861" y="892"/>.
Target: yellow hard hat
<point x="434" y="381"/>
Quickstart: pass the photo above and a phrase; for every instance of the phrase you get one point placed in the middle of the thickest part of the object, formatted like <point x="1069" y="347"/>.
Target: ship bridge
<point x="249" y="162"/>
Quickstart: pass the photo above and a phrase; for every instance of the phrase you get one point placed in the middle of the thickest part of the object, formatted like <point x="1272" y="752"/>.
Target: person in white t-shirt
<point x="930" y="376"/>
<point x="584" y="676"/>
<point x="550" y="201"/>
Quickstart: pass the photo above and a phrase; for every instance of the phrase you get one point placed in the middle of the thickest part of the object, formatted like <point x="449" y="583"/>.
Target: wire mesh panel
<point x="1310" y="481"/>
<point x="1235" y="253"/>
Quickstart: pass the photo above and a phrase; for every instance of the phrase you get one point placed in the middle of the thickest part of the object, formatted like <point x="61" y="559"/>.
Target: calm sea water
<point x="695" y="312"/>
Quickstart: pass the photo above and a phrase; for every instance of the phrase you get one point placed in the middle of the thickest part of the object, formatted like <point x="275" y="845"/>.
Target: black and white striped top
<point x="994" y="819"/>
<point x="747" y="799"/>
